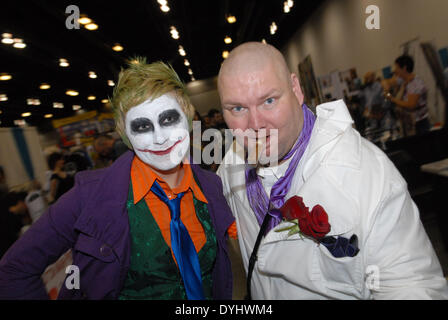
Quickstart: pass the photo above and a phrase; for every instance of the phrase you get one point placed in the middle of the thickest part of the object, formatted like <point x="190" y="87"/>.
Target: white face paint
<point x="158" y="132"/>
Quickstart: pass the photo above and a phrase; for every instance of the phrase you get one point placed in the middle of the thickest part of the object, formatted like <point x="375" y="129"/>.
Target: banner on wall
<point x="21" y="156"/>
<point x="82" y="128"/>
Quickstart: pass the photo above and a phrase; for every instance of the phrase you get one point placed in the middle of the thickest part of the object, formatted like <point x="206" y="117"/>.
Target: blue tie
<point x="183" y="247"/>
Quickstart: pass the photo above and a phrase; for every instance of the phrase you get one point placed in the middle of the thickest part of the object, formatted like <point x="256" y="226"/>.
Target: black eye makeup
<point x="169" y="118"/>
<point x="141" y="125"/>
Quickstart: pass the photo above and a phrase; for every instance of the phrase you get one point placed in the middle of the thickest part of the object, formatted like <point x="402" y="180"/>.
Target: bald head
<point x="253" y="57"/>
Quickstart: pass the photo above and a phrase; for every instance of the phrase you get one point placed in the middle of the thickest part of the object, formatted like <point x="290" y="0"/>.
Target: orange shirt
<point x="143" y="177"/>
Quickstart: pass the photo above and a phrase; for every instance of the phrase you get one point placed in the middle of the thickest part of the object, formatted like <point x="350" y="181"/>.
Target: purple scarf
<point x="258" y="199"/>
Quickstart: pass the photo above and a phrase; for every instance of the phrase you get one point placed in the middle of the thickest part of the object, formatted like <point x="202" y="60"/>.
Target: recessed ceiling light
<point x="76" y="107"/>
<point x="84" y="20"/>
<point x="48" y="115"/>
<point x="63" y="62"/>
<point x="182" y="51"/>
<point x="20" y="122"/>
<point x="5" y="77"/>
<point x="91" y="98"/>
<point x="186" y="62"/>
<point x="225" y="54"/>
<point x="117" y="47"/>
<point x="33" y="102"/>
<point x="7" y="38"/>
<point x="231" y="19"/>
<point x="92" y="75"/>
<point x="110" y="83"/>
<point x="174" y="32"/>
<point x="91" y="26"/>
<point x="72" y="93"/>
<point x="18" y="43"/>
<point x="228" y="40"/>
<point x="162" y="2"/>
<point x="3" y="97"/>
<point x="58" y="105"/>
<point x="190" y="72"/>
<point x="273" y="28"/>
<point x="26" y="114"/>
<point x="165" y="8"/>
<point x="44" y="86"/>
<point x="105" y="101"/>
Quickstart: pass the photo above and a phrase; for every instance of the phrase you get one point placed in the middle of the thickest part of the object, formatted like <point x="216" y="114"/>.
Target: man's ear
<point x="296" y="88"/>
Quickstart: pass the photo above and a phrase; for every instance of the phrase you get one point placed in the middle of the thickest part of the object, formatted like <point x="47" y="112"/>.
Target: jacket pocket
<point x="95" y="248"/>
<point x="338" y="275"/>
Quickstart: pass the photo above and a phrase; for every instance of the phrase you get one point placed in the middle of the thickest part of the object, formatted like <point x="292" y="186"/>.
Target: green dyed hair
<point x="141" y="81"/>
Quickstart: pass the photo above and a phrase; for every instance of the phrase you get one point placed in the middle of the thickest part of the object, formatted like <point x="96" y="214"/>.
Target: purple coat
<point x="92" y="219"/>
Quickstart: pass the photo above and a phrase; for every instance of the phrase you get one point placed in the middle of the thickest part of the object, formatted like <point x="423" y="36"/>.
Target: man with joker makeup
<point x="150" y="226"/>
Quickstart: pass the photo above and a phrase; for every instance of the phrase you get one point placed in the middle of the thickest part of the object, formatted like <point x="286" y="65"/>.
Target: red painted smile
<point x="163" y="152"/>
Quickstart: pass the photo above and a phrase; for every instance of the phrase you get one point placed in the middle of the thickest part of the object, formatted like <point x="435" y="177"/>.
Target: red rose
<point x="294" y="208"/>
<point x="313" y="224"/>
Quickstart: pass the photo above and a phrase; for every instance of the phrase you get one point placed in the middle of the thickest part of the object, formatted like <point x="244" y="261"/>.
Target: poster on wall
<point x="309" y="83"/>
<point x="326" y="87"/>
<point x="83" y="128"/>
<point x="351" y="82"/>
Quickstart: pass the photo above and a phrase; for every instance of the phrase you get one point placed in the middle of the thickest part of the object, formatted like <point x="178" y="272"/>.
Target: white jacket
<point x="363" y="194"/>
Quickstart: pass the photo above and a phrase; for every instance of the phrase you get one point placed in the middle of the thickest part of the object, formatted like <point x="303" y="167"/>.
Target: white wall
<point x="204" y="95"/>
<point x="337" y="39"/>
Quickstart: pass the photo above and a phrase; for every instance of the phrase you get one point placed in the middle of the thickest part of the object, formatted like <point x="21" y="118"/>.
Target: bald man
<point x="374" y="245"/>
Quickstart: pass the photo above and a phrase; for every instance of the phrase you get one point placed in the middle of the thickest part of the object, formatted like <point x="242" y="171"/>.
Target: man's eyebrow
<point x="269" y="94"/>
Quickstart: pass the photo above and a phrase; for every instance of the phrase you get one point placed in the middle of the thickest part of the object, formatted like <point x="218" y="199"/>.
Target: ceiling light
<point x="44" y="86"/>
<point x="1" y="112"/>
<point x="91" y="98"/>
<point x="186" y="62"/>
<point x="273" y="28"/>
<point x="117" y="47"/>
<point x="91" y="26"/>
<point x="58" y="105"/>
<point x="165" y="8"/>
<point x="263" y="41"/>
<point x="48" y="116"/>
<point x="72" y="93"/>
<point x="18" y="43"/>
<point x="228" y="40"/>
<point x="92" y="75"/>
<point x="193" y="78"/>
<point x="110" y="83"/>
<point x="290" y="3"/>
<point x="76" y="107"/>
<point x="231" y="19"/>
<point x="225" y="54"/>
<point x="3" y="97"/>
<point x="174" y="32"/>
<point x="84" y="20"/>
<point x="20" y="122"/>
<point x="5" y="77"/>
<point x="33" y="102"/>
<point x="182" y="51"/>
<point x="7" y="38"/>
<point x="105" y="101"/>
<point x="63" y="62"/>
<point x="190" y="72"/>
<point x="162" y="2"/>
<point x="286" y="8"/>
<point x="26" y="114"/>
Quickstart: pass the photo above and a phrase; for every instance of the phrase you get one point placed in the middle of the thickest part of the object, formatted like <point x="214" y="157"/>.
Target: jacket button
<point x="105" y="250"/>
